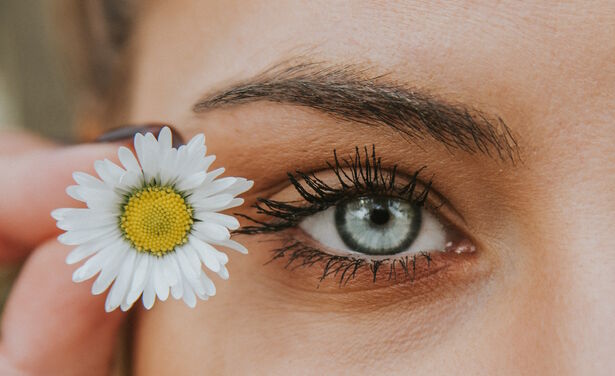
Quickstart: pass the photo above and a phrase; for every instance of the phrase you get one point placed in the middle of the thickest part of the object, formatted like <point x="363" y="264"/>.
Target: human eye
<point x="358" y="219"/>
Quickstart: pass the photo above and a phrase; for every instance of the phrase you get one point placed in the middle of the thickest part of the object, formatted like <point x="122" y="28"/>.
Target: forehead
<point x="519" y="60"/>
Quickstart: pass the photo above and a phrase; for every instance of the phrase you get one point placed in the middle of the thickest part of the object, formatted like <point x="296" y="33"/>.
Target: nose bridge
<point x="572" y="289"/>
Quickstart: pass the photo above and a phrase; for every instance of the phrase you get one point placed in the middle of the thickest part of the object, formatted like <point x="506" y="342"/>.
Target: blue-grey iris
<point x="377" y="225"/>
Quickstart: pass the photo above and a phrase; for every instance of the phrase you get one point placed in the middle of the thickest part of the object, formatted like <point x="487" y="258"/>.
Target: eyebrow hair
<point x="349" y="93"/>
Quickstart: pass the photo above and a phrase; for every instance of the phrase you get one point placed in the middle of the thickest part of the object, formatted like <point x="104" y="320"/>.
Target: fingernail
<point x="128" y="132"/>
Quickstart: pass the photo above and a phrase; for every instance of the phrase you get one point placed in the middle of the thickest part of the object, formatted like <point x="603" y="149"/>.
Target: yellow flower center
<point x="156" y="220"/>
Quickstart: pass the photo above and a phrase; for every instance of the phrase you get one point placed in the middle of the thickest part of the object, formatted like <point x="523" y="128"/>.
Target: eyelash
<point x="356" y="177"/>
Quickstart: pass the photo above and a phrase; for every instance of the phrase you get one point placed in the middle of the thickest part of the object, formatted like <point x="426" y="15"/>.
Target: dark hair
<point x="94" y="37"/>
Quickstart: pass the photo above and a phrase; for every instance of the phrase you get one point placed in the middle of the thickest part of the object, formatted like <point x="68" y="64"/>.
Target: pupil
<point x="379" y="216"/>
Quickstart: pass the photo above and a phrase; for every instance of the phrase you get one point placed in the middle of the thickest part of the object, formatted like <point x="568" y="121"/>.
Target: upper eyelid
<point x="372" y="165"/>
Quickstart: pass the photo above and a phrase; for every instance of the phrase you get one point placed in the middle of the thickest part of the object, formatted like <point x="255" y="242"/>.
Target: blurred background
<point x="34" y="90"/>
<point x="61" y="77"/>
<point x="64" y="65"/>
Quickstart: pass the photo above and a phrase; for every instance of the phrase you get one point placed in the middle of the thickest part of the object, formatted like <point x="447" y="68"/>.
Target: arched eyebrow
<point x="348" y="93"/>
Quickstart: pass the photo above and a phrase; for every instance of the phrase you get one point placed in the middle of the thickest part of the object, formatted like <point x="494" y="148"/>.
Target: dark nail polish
<point x="127" y="133"/>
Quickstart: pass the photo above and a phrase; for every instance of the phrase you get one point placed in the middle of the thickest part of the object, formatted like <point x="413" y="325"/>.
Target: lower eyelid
<point x="299" y="254"/>
<point x="301" y="285"/>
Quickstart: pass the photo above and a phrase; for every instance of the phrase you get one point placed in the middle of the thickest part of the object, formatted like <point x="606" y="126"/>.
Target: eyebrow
<point x="349" y="93"/>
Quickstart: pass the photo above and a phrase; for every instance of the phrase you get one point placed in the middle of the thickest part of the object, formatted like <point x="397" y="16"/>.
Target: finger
<point x="52" y="326"/>
<point x="34" y="184"/>
<point x="18" y="142"/>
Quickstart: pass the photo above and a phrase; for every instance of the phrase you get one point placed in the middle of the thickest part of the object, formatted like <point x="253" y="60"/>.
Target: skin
<point x="536" y="298"/>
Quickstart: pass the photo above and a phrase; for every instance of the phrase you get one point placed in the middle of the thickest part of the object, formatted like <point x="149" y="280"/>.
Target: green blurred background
<point x="34" y="91"/>
<point x="39" y="91"/>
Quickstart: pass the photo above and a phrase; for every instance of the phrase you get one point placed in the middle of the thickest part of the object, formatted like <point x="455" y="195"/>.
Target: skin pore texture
<point x="536" y="298"/>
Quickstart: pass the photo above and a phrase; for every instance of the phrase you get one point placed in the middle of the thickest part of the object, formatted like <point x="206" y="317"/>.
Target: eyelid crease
<point x="356" y="177"/>
<point x="347" y="272"/>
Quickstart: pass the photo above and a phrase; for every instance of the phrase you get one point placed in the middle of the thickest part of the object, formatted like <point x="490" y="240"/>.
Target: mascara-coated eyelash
<point x="344" y="269"/>
<point x="355" y="177"/>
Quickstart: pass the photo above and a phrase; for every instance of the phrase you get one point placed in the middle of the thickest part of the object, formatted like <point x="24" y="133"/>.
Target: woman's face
<point x="508" y="109"/>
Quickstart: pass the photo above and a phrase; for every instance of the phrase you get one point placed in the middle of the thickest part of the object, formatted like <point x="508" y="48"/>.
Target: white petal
<point x="139" y="278"/>
<point x="93" y="265"/>
<point x="149" y="293"/>
<point x="88" y="181"/>
<point x="198" y="139"/>
<point x="78" y="215"/>
<point x="197" y="284"/>
<point x="125" y="306"/>
<point x="109" y="172"/>
<point x="193" y="258"/>
<point x="91" y="247"/>
<point x="131" y="179"/>
<point x="213" y="203"/>
<point x="73" y="191"/>
<point x="77" y="237"/>
<point x="206" y="253"/>
<point x="168" y="171"/>
<point x="223" y="273"/>
<point x="87" y="220"/>
<point x="240" y="186"/>
<point x="177" y="290"/>
<point x="184" y="263"/>
<point x="225" y="220"/>
<point x="171" y="269"/>
<point x="211" y="175"/>
<point x="161" y="285"/>
<point x="152" y="146"/>
<point x="206" y="162"/>
<point x="232" y="245"/>
<point x="165" y="138"/>
<point x="110" y="270"/>
<point x="222" y="257"/>
<point x="105" y="200"/>
<point x="202" y="296"/>
<point x="188" y="295"/>
<point x="59" y="214"/>
<point x="212" y="230"/>
<point x="210" y="288"/>
<point x="128" y="160"/>
<point x="139" y="144"/>
<point x="191" y="181"/>
<point x="233" y="204"/>
<point x="151" y="141"/>
<point x="120" y="287"/>
<point x="195" y="154"/>
<point x="215" y="187"/>
<point x="146" y="152"/>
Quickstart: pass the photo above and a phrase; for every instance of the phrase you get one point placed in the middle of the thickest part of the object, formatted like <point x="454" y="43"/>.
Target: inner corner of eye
<point x="376" y="226"/>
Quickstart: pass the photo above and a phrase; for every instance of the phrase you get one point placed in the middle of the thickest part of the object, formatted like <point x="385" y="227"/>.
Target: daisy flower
<point x="150" y="226"/>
